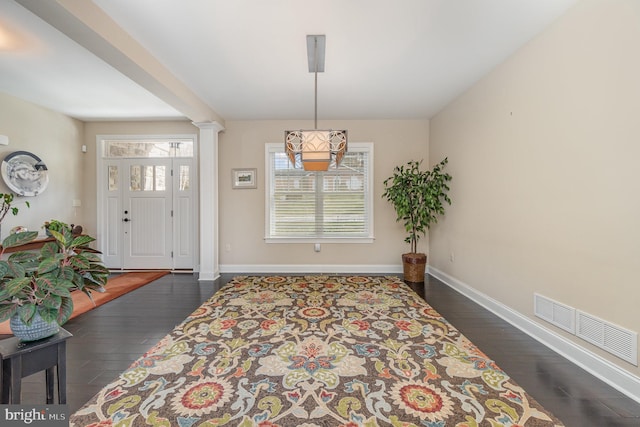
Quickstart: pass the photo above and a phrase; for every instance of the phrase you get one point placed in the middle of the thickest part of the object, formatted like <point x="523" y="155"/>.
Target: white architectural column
<point x="208" y="169"/>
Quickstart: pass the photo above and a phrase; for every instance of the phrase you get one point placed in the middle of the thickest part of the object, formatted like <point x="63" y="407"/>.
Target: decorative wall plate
<point x="25" y="173"/>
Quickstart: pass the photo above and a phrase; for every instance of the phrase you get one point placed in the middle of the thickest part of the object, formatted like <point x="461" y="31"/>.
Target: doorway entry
<point x="147" y="209"/>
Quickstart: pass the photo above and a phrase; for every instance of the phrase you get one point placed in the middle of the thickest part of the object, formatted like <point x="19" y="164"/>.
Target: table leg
<point x="49" y="378"/>
<point x="6" y="380"/>
<point x="16" y="379"/>
<point x="62" y="372"/>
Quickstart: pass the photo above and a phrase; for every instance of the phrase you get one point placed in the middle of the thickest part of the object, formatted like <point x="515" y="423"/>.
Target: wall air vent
<point x="612" y="338"/>
<point x="558" y="314"/>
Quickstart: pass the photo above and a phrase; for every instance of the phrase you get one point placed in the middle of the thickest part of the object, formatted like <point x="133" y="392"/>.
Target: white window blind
<point x="316" y="206"/>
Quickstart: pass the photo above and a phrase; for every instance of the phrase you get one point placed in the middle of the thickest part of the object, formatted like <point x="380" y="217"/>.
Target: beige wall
<point x="544" y="154"/>
<point x="242" y="212"/>
<point x="56" y="139"/>
<point x="72" y="176"/>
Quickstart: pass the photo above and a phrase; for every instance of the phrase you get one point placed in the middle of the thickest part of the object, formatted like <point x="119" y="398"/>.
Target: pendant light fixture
<point x="315" y="150"/>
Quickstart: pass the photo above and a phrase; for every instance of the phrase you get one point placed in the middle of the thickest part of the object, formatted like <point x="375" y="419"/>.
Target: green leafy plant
<point x="6" y="205"/>
<point x="42" y="281"/>
<point x="418" y="196"/>
<point x="54" y="225"/>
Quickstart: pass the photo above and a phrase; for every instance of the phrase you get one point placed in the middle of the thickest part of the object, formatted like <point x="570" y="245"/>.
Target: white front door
<point x="148" y="213"/>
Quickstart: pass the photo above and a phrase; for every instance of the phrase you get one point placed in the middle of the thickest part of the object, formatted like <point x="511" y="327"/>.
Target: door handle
<point x="126" y="219"/>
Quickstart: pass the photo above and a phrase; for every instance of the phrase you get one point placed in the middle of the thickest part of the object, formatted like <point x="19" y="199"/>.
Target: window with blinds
<point x="318" y="206"/>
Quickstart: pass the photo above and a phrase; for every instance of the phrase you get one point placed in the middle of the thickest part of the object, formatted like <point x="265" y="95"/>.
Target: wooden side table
<point x="21" y="359"/>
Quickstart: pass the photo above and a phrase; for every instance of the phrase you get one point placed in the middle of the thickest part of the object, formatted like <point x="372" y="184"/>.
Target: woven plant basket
<point x="414" y="265"/>
<point x="38" y="329"/>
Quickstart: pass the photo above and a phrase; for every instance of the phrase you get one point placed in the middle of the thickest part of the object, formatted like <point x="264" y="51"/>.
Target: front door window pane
<point x="147" y="178"/>
<point x="184" y="178"/>
<point x="160" y="178"/>
<point x="135" y="180"/>
<point x="113" y="178"/>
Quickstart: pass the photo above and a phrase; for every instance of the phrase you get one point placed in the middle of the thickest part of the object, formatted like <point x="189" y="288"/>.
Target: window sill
<point x="347" y="240"/>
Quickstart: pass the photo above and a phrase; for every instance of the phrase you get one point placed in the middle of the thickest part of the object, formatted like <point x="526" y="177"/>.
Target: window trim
<point x="353" y="146"/>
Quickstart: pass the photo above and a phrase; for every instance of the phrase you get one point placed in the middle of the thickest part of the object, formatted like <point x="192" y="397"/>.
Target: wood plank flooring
<point x="109" y="338"/>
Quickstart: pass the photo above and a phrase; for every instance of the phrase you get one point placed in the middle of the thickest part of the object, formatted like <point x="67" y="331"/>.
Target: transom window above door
<point x="148" y="148"/>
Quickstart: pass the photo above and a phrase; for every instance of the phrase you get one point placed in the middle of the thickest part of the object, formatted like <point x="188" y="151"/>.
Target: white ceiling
<point x="246" y="59"/>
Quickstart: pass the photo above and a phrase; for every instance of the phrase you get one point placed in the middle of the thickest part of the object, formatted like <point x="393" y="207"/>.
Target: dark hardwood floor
<point x="573" y="395"/>
<point x="107" y="339"/>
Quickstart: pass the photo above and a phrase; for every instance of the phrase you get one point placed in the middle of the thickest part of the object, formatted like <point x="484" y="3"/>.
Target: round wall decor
<point x="25" y="173"/>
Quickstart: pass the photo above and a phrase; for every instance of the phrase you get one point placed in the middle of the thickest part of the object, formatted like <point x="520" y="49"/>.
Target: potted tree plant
<point x="35" y="287"/>
<point x="418" y="197"/>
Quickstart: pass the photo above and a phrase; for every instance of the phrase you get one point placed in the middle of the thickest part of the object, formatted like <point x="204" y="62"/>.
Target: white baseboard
<point x="311" y="268"/>
<point x="618" y="378"/>
<point x="207" y="275"/>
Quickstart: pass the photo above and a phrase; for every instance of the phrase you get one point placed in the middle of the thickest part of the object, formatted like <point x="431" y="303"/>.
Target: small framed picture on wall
<point x="243" y="178"/>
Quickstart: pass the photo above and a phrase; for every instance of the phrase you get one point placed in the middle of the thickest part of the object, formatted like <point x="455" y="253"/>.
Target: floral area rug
<point x="314" y="351"/>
